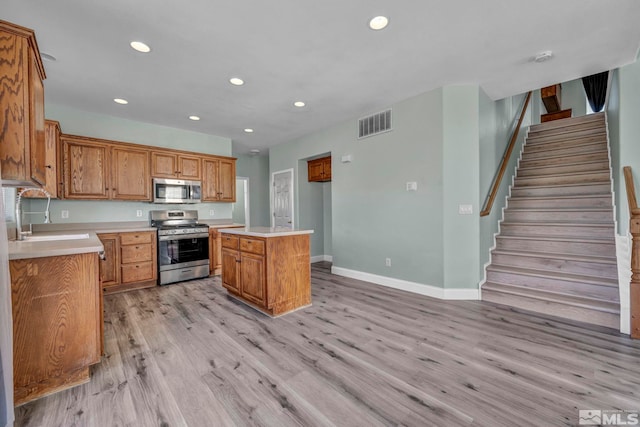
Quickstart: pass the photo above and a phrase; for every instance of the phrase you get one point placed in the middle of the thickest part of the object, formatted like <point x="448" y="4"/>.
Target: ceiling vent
<point x="374" y="124"/>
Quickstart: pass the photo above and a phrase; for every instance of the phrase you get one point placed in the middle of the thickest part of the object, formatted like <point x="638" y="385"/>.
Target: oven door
<point x="183" y="251"/>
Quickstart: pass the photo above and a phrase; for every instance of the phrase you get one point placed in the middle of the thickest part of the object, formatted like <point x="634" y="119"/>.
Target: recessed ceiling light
<point x="299" y="104"/>
<point x="194" y="118"/>
<point x="236" y="81"/>
<point x="140" y="47"/>
<point x="120" y="101"/>
<point x="48" y="57"/>
<point x="378" y="23"/>
<point x="543" y="56"/>
<point x="248" y="130"/>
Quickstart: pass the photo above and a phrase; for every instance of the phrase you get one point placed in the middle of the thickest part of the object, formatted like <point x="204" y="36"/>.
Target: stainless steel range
<point x="183" y="245"/>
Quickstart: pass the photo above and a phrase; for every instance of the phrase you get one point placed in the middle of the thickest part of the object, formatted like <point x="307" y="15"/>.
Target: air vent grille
<point x="374" y="124"/>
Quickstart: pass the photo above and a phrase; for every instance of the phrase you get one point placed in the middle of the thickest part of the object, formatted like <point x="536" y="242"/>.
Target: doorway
<point x="282" y="197"/>
<point x="240" y="212"/>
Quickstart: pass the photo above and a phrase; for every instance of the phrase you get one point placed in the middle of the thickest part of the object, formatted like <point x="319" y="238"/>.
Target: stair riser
<point x="511" y="215"/>
<point x="602" y="156"/>
<point x="561" y="135"/>
<point x="570" y="143"/>
<point x="581" y="202"/>
<point x="603" y="292"/>
<point x="574" y="248"/>
<point x="556" y="169"/>
<point x="561" y="191"/>
<point x="564" y="151"/>
<point x="507" y="229"/>
<point x="563" y="179"/>
<point x="554" y="309"/>
<point x="585" y="268"/>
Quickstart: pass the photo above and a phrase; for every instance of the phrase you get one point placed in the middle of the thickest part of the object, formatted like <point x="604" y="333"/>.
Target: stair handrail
<point x="497" y="180"/>
<point x="634" y="230"/>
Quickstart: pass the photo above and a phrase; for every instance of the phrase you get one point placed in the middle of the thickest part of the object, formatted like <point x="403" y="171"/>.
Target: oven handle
<point x="183" y="237"/>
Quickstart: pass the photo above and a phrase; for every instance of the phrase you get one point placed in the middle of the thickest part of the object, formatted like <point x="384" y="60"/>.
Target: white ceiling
<point x="321" y="52"/>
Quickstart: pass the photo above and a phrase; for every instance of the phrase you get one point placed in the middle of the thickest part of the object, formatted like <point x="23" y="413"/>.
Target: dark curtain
<point x="596" y="88"/>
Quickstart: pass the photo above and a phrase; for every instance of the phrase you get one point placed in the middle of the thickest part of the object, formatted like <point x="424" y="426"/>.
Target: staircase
<point x="555" y="253"/>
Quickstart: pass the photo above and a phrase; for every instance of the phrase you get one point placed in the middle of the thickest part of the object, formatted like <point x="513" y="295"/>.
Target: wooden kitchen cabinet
<point x="22" y="127"/>
<point x="98" y="169"/>
<point x="319" y="170"/>
<point x="130" y="261"/>
<point x="215" y="249"/>
<point x="57" y="323"/>
<point x="167" y="164"/>
<point x="272" y="274"/>
<point x="219" y="179"/>
<point x="52" y="150"/>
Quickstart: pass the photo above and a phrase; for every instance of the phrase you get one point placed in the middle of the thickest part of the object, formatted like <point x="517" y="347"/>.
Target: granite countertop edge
<point x="265" y="231"/>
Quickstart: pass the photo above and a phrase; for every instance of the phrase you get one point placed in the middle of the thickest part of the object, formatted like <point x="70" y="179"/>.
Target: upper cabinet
<point x="319" y="170"/>
<point x="22" y="128"/>
<point x="167" y="164"/>
<point x="98" y="169"/>
<point x="219" y="180"/>
<point x="52" y="146"/>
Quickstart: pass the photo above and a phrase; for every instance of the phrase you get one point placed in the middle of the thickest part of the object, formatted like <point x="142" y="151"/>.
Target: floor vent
<point x="374" y="124"/>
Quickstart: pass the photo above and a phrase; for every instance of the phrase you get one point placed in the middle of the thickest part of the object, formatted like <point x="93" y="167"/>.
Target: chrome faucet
<point x="19" y="233"/>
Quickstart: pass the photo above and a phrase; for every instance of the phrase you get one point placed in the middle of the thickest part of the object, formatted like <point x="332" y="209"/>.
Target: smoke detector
<point x="543" y="56"/>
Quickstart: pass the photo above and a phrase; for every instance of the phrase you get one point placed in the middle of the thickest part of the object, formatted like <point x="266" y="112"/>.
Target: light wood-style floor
<point x="361" y="355"/>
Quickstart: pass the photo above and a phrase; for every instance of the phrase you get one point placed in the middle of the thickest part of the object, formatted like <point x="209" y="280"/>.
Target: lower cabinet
<point x="130" y="261"/>
<point x="215" y="250"/>
<point x="57" y="324"/>
<point x="272" y="274"/>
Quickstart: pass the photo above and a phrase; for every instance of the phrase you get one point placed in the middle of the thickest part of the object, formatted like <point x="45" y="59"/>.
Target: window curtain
<point x="596" y="88"/>
<point x="6" y="328"/>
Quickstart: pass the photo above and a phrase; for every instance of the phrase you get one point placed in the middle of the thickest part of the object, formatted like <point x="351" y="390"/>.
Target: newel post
<point x="634" y="228"/>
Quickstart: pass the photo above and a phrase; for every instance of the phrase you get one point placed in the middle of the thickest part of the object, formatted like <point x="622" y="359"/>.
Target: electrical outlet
<point x="64" y="214"/>
<point x="387" y="262"/>
<point x="139" y="213"/>
<point x="412" y="186"/>
<point x="211" y="212"/>
<point x="465" y="209"/>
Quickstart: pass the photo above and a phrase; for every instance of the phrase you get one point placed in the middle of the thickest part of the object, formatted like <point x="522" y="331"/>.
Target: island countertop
<point x="265" y="231"/>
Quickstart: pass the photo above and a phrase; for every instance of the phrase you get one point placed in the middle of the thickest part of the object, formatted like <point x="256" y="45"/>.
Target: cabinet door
<point x="212" y="251"/>
<point x="130" y="174"/>
<point x="164" y="165"/>
<point x="211" y="172"/>
<point x="227" y="181"/>
<point x="326" y="169"/>
<point x="52" y="143"/>
<point x="230" y="270"/>
<point x="315" y="170"/>
<point x="36" y="106"/>
<point x="252" y="278"/>
<point x="110" y="265"/>
<point x="190" y="168"/>
<point x="56" y="328"/>
<point x="86" y="170"/>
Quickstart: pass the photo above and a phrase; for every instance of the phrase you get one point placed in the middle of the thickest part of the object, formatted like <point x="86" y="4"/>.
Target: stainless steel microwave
<point x="176" y="191"/>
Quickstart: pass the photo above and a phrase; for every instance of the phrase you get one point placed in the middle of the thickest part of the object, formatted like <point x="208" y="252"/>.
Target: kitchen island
<point x="267" y="268"/>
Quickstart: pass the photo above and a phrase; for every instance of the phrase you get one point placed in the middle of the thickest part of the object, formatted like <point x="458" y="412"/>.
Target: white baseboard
<point x="416" y="288"/>
<point x="319" y="258"/>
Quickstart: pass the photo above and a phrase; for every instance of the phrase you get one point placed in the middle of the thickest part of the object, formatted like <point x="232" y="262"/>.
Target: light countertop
<point x="29" y="249"/>
<point x="266" y="231"/>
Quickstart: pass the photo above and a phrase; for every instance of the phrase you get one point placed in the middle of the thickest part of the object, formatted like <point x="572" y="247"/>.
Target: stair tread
<point x="563" y="196"/>
<point x="577" y="184"/>
<point x="588" y="118"/>
<point x="565" y="209"/>
<point x="560" y="223"/>
<point x="561" y="256"/>
<point x="555" y="297"/>
<point x="572" y="239"/>
<point x="555" y="274"/>
<point x="576" y="163"/>
<point x="563" y="174"/>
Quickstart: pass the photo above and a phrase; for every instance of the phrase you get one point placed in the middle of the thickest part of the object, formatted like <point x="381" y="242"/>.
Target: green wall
<point x="77" y="122"/>
<point x="624" y="133"/>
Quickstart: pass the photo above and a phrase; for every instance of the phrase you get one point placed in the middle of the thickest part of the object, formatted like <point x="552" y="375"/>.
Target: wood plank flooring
<point x="361" y="355"/>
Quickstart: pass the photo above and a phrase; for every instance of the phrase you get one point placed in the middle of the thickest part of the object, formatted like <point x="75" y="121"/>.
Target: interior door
<point x="283" y="199"/>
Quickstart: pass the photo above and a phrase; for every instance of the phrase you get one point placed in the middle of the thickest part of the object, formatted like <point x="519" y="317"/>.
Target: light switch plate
<point x="412" y="186"/>
<point x="465" y="209"/>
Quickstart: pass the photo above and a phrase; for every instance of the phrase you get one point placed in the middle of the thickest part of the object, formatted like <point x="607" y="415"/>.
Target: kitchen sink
<point x="55" y="237"/>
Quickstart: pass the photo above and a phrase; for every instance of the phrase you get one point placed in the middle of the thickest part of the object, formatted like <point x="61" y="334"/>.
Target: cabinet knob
<point x="49" y="167"/>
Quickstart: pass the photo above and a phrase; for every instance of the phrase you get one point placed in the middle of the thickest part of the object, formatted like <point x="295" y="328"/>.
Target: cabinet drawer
<point x="135" y="238"/>
<point x="230" y="242"/>
<point x="252" y="245"/>
<point x="137" y="272"/>
<point x="136" y="253"/>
